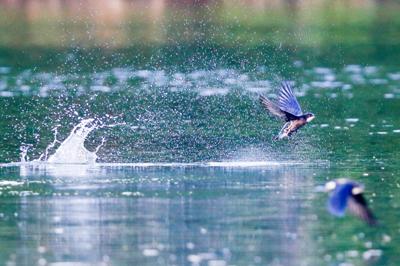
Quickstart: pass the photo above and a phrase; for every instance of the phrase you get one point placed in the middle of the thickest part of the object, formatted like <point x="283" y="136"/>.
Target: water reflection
<point x="166" y="217"/>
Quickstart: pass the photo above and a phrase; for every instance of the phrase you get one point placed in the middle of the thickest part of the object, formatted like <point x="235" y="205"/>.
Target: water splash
<point x="24" y="152"/>
<point x="44" y="156"/>
<point x="72" y="149"/>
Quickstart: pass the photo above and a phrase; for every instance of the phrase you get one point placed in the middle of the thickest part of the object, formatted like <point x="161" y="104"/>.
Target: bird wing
<point x="358" y="207"/>
<point x="287" y="101"/>
<point x="272" y="107"/>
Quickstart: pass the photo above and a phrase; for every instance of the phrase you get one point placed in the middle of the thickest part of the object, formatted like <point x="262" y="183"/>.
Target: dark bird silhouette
<point x="288" y="109"/>
<point x="347" y="194"/>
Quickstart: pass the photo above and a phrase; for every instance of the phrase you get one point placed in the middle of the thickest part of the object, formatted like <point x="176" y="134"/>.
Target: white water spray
<point x="24" y="152"/>
<point x="72" y="149"/>
<point x="45" y="155"/>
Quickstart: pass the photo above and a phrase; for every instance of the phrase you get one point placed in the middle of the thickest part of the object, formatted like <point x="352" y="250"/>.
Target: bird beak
<point x="357" y="190"/>
<point x="331" y="185"/>
<point x="309" y="119"/>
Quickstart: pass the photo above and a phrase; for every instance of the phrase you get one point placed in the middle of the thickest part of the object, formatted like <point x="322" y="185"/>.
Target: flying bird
<point x="347" y="194"/>
<point x="288" y="109"/>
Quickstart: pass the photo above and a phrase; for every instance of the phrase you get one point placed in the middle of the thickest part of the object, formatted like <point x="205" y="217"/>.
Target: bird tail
<point x="370" y="218"/>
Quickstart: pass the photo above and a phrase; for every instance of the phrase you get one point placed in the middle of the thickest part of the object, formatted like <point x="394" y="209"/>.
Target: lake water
<point x="131" y="133"/>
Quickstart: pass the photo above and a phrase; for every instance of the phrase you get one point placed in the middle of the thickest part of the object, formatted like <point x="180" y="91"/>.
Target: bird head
<point x="309" y="117"/>
<point x="357" y="189"/>
<point x="330" y="186"/>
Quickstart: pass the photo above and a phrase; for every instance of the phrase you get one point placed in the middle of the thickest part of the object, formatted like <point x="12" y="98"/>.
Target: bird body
<point x="347" y="195"/>
<point x="291" y="127"/>
<point x="288" y="109"/>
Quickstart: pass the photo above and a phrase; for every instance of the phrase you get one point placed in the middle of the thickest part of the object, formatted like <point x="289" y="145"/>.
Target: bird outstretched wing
<point x="272" y="107"/>
<point x="358" y="207"/>
<point x="287" y="101"/>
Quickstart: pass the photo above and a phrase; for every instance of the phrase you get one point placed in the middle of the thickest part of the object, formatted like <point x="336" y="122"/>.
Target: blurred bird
<point x="288" y="109"/>
<point x="347" y="194"/>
